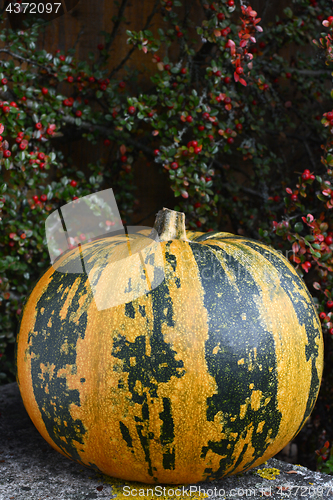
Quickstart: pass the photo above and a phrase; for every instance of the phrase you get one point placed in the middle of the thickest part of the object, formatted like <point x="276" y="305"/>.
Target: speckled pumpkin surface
<point x="209" y="374"/>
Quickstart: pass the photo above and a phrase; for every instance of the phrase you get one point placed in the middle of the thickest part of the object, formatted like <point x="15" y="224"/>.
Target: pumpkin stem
<point x="170" y="225"/>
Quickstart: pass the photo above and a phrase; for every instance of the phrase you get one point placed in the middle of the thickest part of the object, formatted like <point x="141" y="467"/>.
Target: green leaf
<point x="298" y="227"/>
<point x="309" y="237"/>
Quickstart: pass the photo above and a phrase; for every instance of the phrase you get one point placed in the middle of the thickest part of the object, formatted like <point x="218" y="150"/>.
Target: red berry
<point x="103" y="87"/>
<point x="277" y="198"/>
<point x="73" y="183"/>
<point x="224" y="32"/>
<point x="193" y="144"/>
<point x="179" y="34"/>
<point x="6" y="109"/>
<point x="328" y="240"/>
<point x="174" y="165"/>
<point x="7" y="153"/>
<point x="167" y="67"/>
<point x="70" y="79"/>
<point x="230" y="140"/>
<point x="38" y="125"/>
<point x="231" y="3"/>
<point x="197" y="204"/>
<point x="183" y="71"/>
<point x="294" y="197"/>
<point x="329" y="115"/>
<point x="198" y="223"/>
<point x="312" y="177"/>
<point x="218" y="73"/>
<point x="78" y="113"/>
<point x="239" y="126"/>
<point x="330" y="19"/>
<point x="62" y="58"/>
<point x="220" y="16"/>
<point x="100" y="46"/>
<point x="45" y="90"/>
<point x="266" y="86"/>
<point x="131" y="110"/>
<point x="254" y="102"/>
<point x="23" y="236"/>
<point x="4" y="81"/>
<point x="306" y="175"/>
<point x="107" y="142"/>
<point x="262" y="45"/>
<point x="189" y="119"/>
<point x="212" y="6"/>
<point x="169" y="3"/>
<point x="43" y="197"/>
<point x="208" y="179"/>
<point x="227" y="79"/>
<point x="288" y="75"/>
<point x="201" y="127"/>
<point x="150" y="114"/>
<point x="91" y="79"/>
<point x="205" y="115"/>
<point x="156" y="152"/>
<point x="227" y="100"/>
<point x="322" y="315"/>
<point x="123" y="159"/>
<point x="22" y="146"/>
<point x="35" y="198"/>
<point x="329" y="304"/>
<point x="41" y="156"/>
<point x="239" y="70"/>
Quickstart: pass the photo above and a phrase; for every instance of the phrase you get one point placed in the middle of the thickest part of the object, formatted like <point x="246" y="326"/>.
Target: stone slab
<point x="30" y="469"/>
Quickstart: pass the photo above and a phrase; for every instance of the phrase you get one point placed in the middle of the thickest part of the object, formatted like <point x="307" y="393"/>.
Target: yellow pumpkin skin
<point x="209" y="374"/>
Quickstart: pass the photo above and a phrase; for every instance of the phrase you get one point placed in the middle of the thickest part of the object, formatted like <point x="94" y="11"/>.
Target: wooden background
<point x="81" y="27"/>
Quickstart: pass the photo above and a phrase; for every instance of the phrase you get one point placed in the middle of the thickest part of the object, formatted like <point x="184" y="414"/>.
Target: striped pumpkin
<point x="208" y="374"/>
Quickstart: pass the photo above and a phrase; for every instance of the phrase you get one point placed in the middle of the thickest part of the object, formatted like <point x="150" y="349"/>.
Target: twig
<point x="120" y="65"/>
<point x="21" y="58"/>
<point x="116" y="24"/>
<point x="307" y="147"/>
<point x="78" y="36"/>
<point x="149" y="18"/>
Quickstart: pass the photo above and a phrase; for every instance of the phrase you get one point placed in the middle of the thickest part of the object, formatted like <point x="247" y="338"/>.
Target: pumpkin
<point x="208" y="373"/>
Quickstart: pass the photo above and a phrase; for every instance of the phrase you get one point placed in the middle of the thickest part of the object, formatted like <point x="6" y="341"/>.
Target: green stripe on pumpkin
<point x="232" y="339"/>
